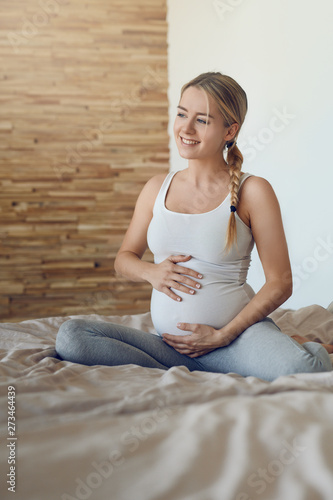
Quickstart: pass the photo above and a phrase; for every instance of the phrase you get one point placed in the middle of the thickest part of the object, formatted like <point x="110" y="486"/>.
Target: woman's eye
<point x="181" y="115"/>
<point x="200" y="120"/>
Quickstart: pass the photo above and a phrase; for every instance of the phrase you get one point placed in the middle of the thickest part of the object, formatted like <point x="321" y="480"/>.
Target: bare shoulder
<point x="135" y="239"/>
<point x="257" y="190"/>
<point x="151" y="189"/>
<point x="257" y="199"/>
<point x="155" y="182"/>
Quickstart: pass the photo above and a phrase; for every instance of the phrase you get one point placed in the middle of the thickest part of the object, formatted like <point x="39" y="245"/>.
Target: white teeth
<point x="186" y="141"/>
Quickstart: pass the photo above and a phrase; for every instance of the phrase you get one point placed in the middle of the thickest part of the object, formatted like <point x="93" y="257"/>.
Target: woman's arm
<point x="129" y="261"/>
<point x="259" y="205"/>
<point x="259" y="208"/>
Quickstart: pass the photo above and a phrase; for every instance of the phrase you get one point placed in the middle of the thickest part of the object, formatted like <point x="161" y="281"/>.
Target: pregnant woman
<point x="201" y="224"/>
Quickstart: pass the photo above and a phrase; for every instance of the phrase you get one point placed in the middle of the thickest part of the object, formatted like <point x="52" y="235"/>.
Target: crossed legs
<point x="262" y="350"/>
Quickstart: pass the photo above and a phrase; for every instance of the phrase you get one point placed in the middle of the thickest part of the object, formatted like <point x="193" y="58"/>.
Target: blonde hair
<point x="231" y="101"/>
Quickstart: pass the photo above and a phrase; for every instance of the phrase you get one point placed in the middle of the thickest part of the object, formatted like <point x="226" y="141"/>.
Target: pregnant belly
<point x="215" y="304"/>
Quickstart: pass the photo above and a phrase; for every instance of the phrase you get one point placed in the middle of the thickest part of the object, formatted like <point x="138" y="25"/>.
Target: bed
<point x="132" y="433"/>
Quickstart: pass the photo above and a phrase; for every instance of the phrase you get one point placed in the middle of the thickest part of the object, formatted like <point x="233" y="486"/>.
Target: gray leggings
<point x="262" y="350"/>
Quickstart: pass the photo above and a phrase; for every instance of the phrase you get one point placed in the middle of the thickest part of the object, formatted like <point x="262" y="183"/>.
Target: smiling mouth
<point x="189" y="142"/>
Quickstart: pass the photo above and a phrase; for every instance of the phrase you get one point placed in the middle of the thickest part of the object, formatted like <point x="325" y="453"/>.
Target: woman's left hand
<point x="201" y="340"/>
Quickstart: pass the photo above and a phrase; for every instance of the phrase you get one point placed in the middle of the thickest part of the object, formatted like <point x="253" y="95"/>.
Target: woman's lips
<point x="189" y="142"/>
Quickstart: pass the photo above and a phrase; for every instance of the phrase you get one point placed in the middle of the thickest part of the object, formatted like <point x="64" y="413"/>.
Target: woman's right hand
<point x="169" y="274"/>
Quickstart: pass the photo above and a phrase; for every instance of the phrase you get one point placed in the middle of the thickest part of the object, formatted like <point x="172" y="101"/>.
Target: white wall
<point x="281" y="52"/>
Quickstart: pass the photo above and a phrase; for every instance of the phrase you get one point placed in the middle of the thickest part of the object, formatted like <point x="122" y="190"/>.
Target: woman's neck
<point x="201" y="172"/>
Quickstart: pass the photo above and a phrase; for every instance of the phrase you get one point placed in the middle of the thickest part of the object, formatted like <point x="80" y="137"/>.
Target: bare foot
<point x="302" y="340"/>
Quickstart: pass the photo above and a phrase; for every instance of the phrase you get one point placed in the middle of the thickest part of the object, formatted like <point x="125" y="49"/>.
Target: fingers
<point x="178" y="341"/>
<point x="187" y="327"/>
<point x="182" y="284"/>
<point x="200" y="340"/>
<point x="174" y="285"/>
<point x="181" y="341"/>
<point x="185" y="345"/>
<point x="180" y="279"/>
<point x="185" y="340"/>
<point x="171" y="294"/>
<point x="185" y="272"/>
<point x="173" y="277"/>
<point x="180" y="258"/>
<point x="181" y="348"/>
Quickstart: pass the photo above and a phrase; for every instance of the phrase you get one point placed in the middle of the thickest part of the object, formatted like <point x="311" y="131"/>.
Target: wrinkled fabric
<point x="127" y="432"/>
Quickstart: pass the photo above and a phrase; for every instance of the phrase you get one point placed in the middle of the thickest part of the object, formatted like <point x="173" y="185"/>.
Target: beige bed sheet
<point x="132" y="433"/>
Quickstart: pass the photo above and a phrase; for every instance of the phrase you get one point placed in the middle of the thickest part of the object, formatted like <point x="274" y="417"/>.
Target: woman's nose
<point x="188" y="127"/>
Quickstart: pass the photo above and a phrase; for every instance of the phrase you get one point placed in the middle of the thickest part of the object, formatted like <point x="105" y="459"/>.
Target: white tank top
<point x="224" y="291"/>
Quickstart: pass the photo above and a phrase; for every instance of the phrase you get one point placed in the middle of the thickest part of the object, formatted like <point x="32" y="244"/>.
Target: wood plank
<point x="84" y="117"/>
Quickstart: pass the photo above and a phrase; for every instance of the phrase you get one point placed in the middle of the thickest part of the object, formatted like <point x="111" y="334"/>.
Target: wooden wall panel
<point x="83" y="126"/>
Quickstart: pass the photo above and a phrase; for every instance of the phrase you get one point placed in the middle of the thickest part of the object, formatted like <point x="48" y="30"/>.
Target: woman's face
<point x="199" y="127"/>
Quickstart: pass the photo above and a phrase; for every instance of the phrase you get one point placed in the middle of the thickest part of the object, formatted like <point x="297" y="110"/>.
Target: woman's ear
<point x="232" y="131"/>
